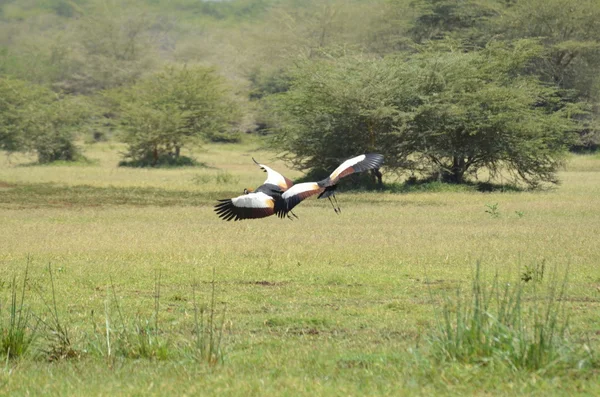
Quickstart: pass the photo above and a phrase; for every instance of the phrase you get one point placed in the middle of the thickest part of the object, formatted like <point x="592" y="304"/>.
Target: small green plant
<point x="58" y="340"/>
<point x="534" y="272"/>
<point x="492" y="209"/>
<point x="17" y="334"/>
<point x="520" y="214"/>
<point x="142" y="338"/>
<point x="497" y="324"/>
<point x="208" y="329"/>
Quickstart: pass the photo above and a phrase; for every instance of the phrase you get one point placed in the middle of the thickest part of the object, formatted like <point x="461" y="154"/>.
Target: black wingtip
<point x="255" y="162"/>
<point x="374" y="158"/>
<point x="225" y="209"/>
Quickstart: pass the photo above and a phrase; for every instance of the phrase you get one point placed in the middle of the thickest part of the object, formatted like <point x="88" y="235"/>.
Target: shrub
<point x="35" y="119"/>
<point x="169" y="110"/>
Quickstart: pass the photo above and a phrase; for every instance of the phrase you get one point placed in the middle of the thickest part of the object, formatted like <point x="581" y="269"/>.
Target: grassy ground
<point x="328" y="304"/>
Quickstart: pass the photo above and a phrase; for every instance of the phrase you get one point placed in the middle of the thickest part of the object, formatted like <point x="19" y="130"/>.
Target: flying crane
<point x="278" y="195"/>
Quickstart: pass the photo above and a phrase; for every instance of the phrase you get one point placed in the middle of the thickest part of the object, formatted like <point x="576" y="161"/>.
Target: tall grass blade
<point x="208" y="332"/>
<point x="495" y="324"/>
<point x="17" y="336"/>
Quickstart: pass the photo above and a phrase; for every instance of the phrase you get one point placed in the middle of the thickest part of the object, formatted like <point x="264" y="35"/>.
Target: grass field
<point x="328" y="304"/>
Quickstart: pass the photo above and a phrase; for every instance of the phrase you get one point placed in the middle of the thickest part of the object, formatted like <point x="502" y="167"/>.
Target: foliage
<point x="476" y="110"/>
<point x="103" y="47"/>
<point x="57" y="125"/>
<point x="15" y="95"/>
<point x="570" y="34"/>
<point x="338" y="108"/>
<point x="86" y="46"/>
<point x="492" y="209"/>
<point x="163" y="160"/>
<point x="171" y="109"/>
<point x="33" y="118"/>
<point x="437" y="19"/>
<point x="220" y="10"/>
<point x="441" y="110"/>
<point x="114" y="49"/>
<point x="267" y="83"/>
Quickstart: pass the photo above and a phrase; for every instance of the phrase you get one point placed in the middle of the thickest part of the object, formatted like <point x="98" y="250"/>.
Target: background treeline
<point x="444" y="88"/>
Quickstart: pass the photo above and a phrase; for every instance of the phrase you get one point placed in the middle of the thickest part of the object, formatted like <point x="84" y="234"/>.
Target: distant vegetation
<point x="444" y="88"/>
<point x="162" y="113"/>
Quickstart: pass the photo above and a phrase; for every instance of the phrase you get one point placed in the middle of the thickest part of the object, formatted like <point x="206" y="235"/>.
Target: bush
<point x="17" y="331"/>
<point x="169" y="110"/>
<point x="35" y="119"/>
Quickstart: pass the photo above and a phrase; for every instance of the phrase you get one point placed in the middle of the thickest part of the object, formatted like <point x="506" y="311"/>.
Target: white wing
<point x="356" y="164"/>
<point x="275" y="178"/>
<point x="247" y="206"/>
<point x="294" y="195"/>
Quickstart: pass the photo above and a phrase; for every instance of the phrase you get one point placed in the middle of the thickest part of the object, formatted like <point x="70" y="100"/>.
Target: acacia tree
<point x="466" y="19"/>
<point x="172" y="109"/>
<point x="336" y="109"/>
<point x="35" y="119"/>
<point x="477" y="110"/>
<point x="570" y="34"/>
<point x="442" y="110"/>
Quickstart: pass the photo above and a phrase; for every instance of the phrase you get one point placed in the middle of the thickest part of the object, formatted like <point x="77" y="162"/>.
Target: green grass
<point x="17" y="328"/>
<point x="328" y="304"/>
<point x="58" y="195"/>
<point x="496" y="324"/>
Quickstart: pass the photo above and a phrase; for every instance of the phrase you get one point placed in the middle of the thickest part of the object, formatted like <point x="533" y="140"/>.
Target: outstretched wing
<point x="294" y="195"/>
<point x="275" y="178"/>
<point x="247" y="206"/>
<point x="356" y="164"/>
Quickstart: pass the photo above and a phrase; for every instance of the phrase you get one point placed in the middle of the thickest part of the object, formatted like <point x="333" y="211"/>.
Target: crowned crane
<point x="278" y="195"/>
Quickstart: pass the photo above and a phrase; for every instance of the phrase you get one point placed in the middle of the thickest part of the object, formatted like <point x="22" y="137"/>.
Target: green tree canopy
<point x="465" y="19"/>
<point x="570" y="34"/>
<point x="338" y="108"/>
<point x="174" y="108"/>
<point x="33" y="118"/>
<point x="442" y="110"/>
<point x="476" y="110"/>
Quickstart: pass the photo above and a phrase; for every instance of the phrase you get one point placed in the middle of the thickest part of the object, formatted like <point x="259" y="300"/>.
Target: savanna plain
<point x="125" y="282"/>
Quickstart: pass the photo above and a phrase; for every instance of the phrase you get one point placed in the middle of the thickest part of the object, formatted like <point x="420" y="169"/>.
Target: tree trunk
<point x="457" y="172"/>
<point x="155" y="156"/>
<point x="177" y="151"/>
